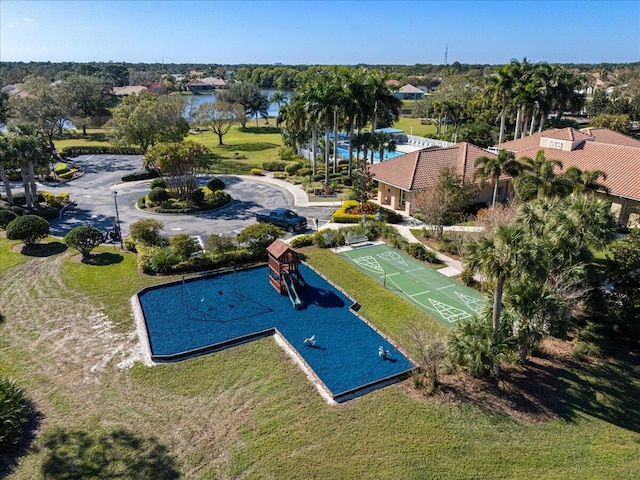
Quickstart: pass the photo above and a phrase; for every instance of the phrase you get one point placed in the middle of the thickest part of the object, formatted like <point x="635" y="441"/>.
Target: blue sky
<point x="320" y="32"/>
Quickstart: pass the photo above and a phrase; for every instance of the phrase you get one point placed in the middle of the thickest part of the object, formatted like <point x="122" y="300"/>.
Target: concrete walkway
<point x="301" y="199"/>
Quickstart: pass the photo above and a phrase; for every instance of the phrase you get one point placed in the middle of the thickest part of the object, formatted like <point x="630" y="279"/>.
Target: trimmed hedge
<point x="99" y="149"/>
<point x="68" y="174"/>
<point x="142" y="174"/>
<point x="256" y="171"/>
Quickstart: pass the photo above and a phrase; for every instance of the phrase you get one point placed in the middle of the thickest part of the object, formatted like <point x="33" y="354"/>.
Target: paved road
<point x="94" y="195"/>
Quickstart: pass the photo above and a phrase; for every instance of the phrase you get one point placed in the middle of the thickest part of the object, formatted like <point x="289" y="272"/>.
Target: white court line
<point x="414" y="269"/>
<point x="447" y="286"/>
<point x="392" y="274"/>
<point x="419" y="293"/>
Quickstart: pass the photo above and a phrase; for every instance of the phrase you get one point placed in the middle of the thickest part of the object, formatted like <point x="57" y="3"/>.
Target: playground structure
<point x="284" y="275"/>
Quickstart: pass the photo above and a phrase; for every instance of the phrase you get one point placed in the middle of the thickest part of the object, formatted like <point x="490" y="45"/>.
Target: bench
<point x="356" y="240"/>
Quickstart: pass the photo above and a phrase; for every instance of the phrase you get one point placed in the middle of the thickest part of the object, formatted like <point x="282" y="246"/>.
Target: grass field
<point x="249" y="412"/>
<point x="242" y="149"/>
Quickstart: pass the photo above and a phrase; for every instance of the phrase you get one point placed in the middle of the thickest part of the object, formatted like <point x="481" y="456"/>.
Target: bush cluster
<point x="256" y="171"/>
<point x="293" y="168"/>
<point x="342" y="215"/>
<point x="274" y="165"/>
<point x="56" y="201"/>
<point x="420" y="252"/>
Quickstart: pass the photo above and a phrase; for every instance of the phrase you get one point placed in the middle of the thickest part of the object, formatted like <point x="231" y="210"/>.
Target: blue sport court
<point x="439" y="296"/>
<point x="205" y="314"/>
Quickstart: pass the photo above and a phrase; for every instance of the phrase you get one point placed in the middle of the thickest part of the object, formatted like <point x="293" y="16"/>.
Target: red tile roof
<point x="419" y="170"/>
<point x="615" y="154"/>
<point x="604" y="135"/>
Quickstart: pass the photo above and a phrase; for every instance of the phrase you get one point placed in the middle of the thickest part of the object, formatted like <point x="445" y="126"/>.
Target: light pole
<point x="117" y="229"/>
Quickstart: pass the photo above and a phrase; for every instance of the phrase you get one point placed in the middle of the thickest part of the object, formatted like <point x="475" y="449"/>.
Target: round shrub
<point x="216" y="243"/>
<point x="293" y="168"/>
<point x="197" y="197"/>
<point x="28" y="228"/>
<point x="259" y="236"/>
<point x="256" y="171"/>
<point x="215" y="184"/>
<point x="304" y="172"/>
<point x="14" y="410"/>
<point x="184" y="246"/>
<point x="6" y="217"/>
<point x="158" y="182"/>
<point x="147" y="232"/>
<point x="158" y="195"/>
<point x="84" y="239"/>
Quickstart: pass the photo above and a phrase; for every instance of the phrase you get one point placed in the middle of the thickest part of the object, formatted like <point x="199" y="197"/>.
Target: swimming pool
<point x="215" y="312"/>
<point x="376" y="156"/>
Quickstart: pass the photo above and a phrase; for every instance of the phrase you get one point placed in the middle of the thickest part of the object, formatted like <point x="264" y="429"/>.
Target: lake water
<point x="196" y="100"/>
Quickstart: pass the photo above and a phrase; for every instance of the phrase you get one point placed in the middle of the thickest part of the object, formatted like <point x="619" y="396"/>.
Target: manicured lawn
<point x="249" y="412"/>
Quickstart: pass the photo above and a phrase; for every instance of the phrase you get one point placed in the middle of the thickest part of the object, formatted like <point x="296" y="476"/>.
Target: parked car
<point x="283" y="218"/>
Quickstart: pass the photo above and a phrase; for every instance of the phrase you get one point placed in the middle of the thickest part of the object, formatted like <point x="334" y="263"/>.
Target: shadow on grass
<point x="261" y="130"/>
<point x="113" y="454"/>
<point x="10" y="456"/>
<point x="609" y="391"/>
<point x="251" y="147"/>
<point x="103" y="259"/>
<point x="542" y="391"/>
<point x="44" y="249"/>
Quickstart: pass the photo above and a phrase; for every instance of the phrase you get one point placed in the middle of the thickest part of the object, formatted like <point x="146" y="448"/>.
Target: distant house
<point x="409" y="92"/>
<point x="593" y="149"/>
<point x="400" y="178"/>
<point x="215" y="82"/>
<point x="16" y="90"/>
<point x="393" y="83"/>
<point x="199" y="86"/>
<point x="129" y="90"/>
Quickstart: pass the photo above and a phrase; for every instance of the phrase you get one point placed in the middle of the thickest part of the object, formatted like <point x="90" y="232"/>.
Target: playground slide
<point x="291" y="290"/>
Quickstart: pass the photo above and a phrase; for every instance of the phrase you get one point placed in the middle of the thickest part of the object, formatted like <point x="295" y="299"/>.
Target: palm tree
<point x="531" y="305"/>
<point x="587" y="180"/>
<point x="493" y="168"/>
<point x="296" y="128"/>
<point x="569" y="228"/>
<point x="510" y="254"/>
<point x="501" y="85"/>
<point x="538" y="178"/>
<point x="278" y="98"/>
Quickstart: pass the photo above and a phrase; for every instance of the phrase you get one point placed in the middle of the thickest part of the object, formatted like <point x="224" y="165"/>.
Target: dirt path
<point x="69" y="339"/>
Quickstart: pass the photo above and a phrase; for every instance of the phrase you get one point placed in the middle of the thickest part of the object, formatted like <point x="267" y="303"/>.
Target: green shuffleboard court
<point x="442" y="298"/>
